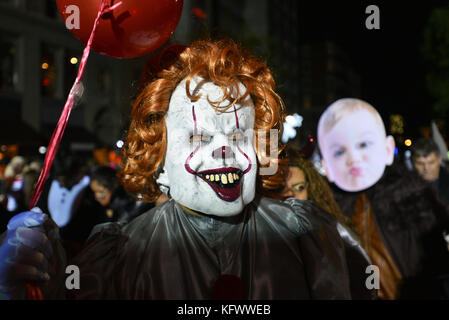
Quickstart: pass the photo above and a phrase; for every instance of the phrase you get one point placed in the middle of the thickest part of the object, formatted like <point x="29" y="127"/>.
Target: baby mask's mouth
<point x="356" y="171"/>
<point x="224" y="181"/>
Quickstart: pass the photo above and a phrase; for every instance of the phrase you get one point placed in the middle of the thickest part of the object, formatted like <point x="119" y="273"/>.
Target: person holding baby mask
<point x="399" y="220"/>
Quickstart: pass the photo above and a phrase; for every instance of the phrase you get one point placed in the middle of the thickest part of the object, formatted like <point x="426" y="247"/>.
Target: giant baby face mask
<point x="210" y="165"/>
<point x="355" y="151"/>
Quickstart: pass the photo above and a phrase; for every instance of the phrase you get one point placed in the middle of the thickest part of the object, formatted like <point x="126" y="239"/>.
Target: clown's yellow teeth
<point x="223" y="178"/>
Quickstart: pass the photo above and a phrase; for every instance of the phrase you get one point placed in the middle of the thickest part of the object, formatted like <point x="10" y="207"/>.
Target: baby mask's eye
<point x="364" y="144"/>
<point x="339" y="153"/>
<point x="200" y="138"/>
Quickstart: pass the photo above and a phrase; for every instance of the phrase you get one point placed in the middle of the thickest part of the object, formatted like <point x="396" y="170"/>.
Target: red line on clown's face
<point x="236" y="118"/>
<point x="195" y="132"/>
<point x="240" y="150"/>
<point x="186" y="165"/>
<point x="195" y="128"/>
<point x="249" y="160"/>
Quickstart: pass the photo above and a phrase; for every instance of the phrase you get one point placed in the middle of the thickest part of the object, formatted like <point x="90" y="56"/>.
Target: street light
<point x="408" y="142"/>
<point x="120" y="144"/>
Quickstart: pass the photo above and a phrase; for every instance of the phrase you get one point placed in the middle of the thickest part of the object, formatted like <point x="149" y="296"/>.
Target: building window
<point x="72" y="61"/>
<point x="36" y="6"/>
<point x="103" y="81"/>
<point x="9" y="66"/>
<point x="48" y="71"/>
<point x="46" y="8"/>
<point x="14" y="3"/>
<point x="330" y="48"/>
<point x="51" y="10"/>
<point x="307" y="103"/>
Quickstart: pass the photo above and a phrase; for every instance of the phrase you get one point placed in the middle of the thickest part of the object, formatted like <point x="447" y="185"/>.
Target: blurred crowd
<point x="18" y="177"/>
<point x="79" y="194"/>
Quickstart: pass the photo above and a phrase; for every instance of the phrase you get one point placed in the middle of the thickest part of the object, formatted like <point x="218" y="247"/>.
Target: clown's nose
<point x="222" y="153"/>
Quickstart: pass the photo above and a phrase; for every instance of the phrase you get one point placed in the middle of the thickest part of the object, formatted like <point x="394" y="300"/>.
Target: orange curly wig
<point x="225" y="64"/>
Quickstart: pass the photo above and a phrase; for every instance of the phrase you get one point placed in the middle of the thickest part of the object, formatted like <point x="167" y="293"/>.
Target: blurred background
<point x="319" y="51"/>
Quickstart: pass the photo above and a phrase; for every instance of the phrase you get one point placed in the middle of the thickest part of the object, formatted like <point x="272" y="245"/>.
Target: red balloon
<point x="133" y="29"/>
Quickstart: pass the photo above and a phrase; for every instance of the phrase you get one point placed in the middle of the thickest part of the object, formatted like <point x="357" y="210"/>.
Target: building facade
<point x="309" y="73"/>
<point x="39" y="62"/>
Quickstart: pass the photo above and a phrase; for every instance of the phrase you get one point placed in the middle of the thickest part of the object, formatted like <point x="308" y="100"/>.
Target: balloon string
<point x="109" y="9"/>
<point x="34" y="292"/>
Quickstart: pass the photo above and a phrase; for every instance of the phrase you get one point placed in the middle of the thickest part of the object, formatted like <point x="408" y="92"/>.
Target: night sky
<point x="388" y="60"/>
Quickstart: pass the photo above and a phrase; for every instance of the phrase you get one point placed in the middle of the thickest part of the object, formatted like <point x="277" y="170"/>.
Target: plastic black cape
<point x="279" y="250"/>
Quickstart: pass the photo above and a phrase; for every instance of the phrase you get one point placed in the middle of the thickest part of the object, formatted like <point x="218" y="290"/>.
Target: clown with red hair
<point x="204" y="131"/>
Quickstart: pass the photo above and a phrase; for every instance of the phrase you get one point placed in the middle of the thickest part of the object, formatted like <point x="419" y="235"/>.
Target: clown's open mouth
<point x="224" y="181"/>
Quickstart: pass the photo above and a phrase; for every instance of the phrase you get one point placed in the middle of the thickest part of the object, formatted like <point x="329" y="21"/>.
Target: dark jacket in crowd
<point x="124" y="207"/>
<point x="442" y="184"/>
<point x="411" y="218"/>
<point x="5" y="216"/>
<point x="90" y="213"/>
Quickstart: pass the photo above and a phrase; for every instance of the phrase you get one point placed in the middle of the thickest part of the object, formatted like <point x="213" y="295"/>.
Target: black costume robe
<point x="279" y="250"/>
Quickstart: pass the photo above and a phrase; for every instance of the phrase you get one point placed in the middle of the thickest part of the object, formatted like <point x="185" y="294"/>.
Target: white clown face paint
<point x="210" y="164"/>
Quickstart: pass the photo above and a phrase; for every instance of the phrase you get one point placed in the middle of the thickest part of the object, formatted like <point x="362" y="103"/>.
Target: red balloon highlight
<point x="199" y="13"/>
<point x="131" y="29"/>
